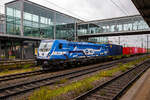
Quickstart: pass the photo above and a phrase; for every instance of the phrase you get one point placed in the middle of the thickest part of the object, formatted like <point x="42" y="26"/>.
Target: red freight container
<point x="136" y="50"/>
<point x="131" y="50"/>
<point x="139" y="50"/>
<point x="143" y="50"/>
<point x="126" y="50"/>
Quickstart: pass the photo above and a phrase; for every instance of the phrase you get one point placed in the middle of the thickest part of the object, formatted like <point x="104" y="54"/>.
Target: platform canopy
<point x="143" y="7"/>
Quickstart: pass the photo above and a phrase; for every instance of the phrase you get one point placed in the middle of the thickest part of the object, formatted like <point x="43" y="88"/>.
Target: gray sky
<point x="94" y="10"/>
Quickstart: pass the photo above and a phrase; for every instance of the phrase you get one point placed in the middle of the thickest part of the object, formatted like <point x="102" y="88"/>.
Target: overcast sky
<point x="94" y="10"/>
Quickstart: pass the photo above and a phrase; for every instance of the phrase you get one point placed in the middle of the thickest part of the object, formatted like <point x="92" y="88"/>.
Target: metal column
<point x="75" y="31"/>
<point x="22" y="10"/>
<point x="119" y="40"/>
<point x="6" y="50"/>
<point x="147" y="44"/>
<point x="88" y="30"/>
<point x="5" y="29"/>
<point x="22" y="50"/>
<point x="55" y="25"/>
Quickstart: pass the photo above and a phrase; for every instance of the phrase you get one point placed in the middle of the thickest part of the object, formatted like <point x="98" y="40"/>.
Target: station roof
<point x="109" y="21"/>
<point x="143" y="7"/>
<point x="8" y="36"/>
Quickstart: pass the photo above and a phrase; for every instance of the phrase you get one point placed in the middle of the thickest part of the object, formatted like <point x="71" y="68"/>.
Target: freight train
<point x="133" y="50"/>
<point x="53" y="54"/>
<point x="60" y="53"/>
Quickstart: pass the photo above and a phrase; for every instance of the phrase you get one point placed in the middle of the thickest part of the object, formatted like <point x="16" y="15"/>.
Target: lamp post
<point x="119" y="40"/>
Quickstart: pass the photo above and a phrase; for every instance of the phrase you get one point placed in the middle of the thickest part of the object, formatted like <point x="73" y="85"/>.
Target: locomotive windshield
<point x="45" y="46"/>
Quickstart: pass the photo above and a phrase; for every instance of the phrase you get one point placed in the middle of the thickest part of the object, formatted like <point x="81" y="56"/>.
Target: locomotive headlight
<point x="49" y="57"/>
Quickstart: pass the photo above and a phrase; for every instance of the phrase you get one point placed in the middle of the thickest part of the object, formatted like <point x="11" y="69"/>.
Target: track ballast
<point x="114" y="88"/>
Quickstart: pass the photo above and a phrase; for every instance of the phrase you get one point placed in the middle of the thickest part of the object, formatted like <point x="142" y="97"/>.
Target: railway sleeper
<point x="94" y="98"/>
<point x="117" y="85"/>
<point x="9" y="91"/>
<point x="103" y="91"/>
<point x="110" y="86"/>
<point x="107" y="94"/>
<point x="113" y="89"/>
<point x="99" y="97"/>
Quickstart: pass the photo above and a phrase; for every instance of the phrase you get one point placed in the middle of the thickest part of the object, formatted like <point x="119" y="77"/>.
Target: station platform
<point x="140" y="90"/>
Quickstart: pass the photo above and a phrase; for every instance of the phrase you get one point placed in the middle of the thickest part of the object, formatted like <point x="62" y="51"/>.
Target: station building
<point x="25" y="23"/>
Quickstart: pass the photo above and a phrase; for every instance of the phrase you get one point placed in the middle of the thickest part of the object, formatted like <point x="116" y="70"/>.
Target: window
<point x="45" y="46"/>
<point x="27" y="16"/>
<point x="27" y="23"/>
<point x="35" y="18"/>
<point x="10" y="11"/>
<point x="10" y="28"/>
<point x="43" y="20"/>
<point x="17" y="13"/>
<point x="60" y="46"/>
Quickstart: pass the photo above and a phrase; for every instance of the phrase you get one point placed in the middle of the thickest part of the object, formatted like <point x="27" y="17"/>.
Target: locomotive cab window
<point x="60" y="46"/>
<point x="45" y="46"/>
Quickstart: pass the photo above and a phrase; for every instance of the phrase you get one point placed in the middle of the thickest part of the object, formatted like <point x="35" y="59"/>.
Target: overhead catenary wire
<point x="119" y="7"/>
<point x="123" y="7"/>
<point x="64" y="9"/>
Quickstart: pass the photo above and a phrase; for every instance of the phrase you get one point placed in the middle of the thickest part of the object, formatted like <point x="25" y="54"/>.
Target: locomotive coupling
<point x="45" y="63"/>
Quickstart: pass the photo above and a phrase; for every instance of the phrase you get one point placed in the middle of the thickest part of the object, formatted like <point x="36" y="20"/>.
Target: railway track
<point x="23" y="87"/>
<point x="114" y="88"/>
<point x="12" y="65"/>
<point x="39" y="72"/>
<point x="20" y="75"/>
<point x="16" y="62"/>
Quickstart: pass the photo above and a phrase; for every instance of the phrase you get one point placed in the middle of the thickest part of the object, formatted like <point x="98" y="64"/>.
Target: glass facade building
<point x="122" y="24"/>
<point x="26" y="23"/>
<point x="26" y="18"/>
<point x="2" y="23"/>
<point x="90" y="28"/>
<point x="13" y="18"/>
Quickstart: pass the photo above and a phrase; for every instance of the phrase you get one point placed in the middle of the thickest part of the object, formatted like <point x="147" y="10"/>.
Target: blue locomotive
<point x="54" y="53"/>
